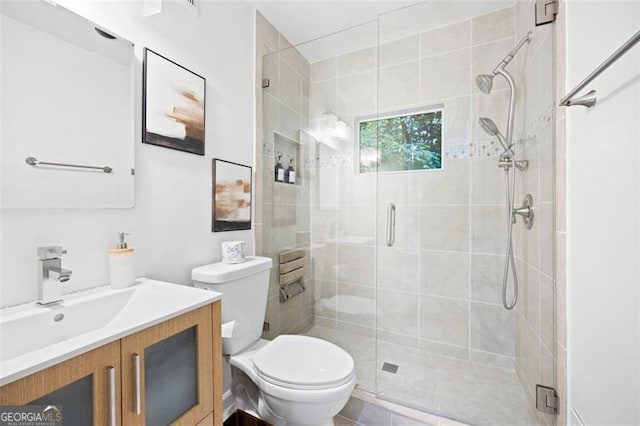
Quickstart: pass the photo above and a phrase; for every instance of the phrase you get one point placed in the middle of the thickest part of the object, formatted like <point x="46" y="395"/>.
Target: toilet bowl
<point x="300" y="380"/>
<point x="291" y="380"/>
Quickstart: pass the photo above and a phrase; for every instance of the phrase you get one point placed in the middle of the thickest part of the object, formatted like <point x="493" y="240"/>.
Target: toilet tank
<point x="244" y="287"/>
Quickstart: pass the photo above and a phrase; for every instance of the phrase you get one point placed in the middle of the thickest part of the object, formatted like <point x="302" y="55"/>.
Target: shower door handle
<point x="391" y="224"/>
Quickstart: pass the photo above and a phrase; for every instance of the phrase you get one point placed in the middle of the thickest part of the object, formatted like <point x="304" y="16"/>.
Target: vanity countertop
<point x="33" y="338"/>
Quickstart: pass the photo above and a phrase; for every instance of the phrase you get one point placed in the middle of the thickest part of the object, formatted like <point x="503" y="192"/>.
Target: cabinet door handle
<point x="391" y="224"/>
<point x="112" y="395"/>
<point x="136" y="393"/>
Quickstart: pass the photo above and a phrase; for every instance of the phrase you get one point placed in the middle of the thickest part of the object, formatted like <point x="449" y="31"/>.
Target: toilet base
<point x="249" y="398"/>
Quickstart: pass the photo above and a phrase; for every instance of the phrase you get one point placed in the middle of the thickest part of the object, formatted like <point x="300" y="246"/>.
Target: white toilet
<point x="291" y="380"/>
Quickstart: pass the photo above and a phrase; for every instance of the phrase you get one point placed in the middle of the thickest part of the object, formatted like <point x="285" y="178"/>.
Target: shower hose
<point x="510" y="186"/>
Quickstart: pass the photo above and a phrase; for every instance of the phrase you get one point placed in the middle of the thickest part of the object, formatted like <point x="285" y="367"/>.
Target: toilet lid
<point x="302" y="361"/>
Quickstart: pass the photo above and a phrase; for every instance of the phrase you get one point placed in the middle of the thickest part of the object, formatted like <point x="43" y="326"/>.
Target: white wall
<point x="171" y="224"/>
<point x="82" y="101"/>
<point x="603" y="254"/>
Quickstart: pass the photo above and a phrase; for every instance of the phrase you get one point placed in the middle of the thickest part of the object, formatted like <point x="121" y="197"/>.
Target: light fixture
<point x="333" y="126"/>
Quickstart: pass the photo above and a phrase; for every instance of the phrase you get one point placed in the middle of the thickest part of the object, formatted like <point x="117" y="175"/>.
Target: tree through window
<point x="409" y="141"/>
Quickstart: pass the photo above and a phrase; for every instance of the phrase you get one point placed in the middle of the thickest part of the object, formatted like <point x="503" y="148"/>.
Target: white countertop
<point x="31" y="340"/>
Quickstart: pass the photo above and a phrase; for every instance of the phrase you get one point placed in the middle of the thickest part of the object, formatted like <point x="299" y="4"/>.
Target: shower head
<point x="484" y="82"/>
<point x="489" y="126"/>
<point x="491" y="129"/>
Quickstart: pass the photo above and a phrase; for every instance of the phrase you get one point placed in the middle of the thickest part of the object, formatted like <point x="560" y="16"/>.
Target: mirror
<point x="67" y="98"/>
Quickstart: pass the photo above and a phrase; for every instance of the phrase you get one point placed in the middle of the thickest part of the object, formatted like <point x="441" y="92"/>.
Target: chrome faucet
<point x="51" y="275"/>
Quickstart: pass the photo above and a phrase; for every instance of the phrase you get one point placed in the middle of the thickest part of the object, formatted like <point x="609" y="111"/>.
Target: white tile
<point x="357" y="95"/>
<point x="493" y="360"/>
<point x="493" y="26"/>
<point x="397" y="85"/>
<point x="447" y="186"/>
<point x="444" y="320"/>
<point x="547" y="319"/>
<point x="323" y="98"/>
<point x="399" y="51"/>
<point x="397" y="312"/>
<point x="492" y="329"/>
<point x="288" y="121"/>
<point x="445" y="76"/>
<point x="440" y="348"/>
<point x="457" y="121"/>
<point x="444" y="274"/>
<point x="488" y="182"/>
<point x="397" y="269"/>
<point x="450" y="37"/>
<point x="545" y="216"/>
<point x="489" y="229"/>
<point x="324" y="70"/>
<point x="356" y="264"/>
<point x="356" y="304"/>
<point x="357" y="62"/>
<point x="289" y="87"/>
<point x="444" y="228"/>
<point x="486" y="278"/>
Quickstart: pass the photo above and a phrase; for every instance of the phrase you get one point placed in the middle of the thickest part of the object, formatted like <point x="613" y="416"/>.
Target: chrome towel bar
<point x="32" y="161"/>
<point x="590" y="98"/>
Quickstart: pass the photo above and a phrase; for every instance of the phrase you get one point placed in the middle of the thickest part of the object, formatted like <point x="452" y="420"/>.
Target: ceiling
<point x="304" y="20"/>
<point x="317" y="27"/>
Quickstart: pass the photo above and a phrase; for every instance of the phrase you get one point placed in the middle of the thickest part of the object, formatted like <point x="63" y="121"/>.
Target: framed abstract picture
<point x="173" y="105"/>
<point x="231" y="206"/>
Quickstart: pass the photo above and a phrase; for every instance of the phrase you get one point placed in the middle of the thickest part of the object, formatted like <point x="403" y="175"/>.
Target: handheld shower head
<point x="491" y="129"/>
<point x="484" y="82"/>
<point x="489" y="126"/>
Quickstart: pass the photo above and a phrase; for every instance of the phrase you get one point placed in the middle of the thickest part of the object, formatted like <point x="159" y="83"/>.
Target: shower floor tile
<point x="459" y="389"/>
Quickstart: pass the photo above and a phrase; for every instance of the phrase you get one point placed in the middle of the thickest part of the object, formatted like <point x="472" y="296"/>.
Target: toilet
<point x="291" y="380"/>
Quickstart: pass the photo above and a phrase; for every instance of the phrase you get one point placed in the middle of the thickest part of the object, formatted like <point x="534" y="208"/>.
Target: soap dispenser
<point x="121" y="267"/>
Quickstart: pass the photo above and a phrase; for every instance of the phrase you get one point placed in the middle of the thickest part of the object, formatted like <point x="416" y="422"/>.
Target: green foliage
<point x="408" y="142"/>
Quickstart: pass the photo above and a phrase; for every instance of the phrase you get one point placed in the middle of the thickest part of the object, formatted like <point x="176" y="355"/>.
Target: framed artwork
<point x="231" y="206"/>
<point x="173" y="105"/>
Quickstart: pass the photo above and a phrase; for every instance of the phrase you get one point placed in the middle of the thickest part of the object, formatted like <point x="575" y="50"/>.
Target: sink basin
<point x="33" y="338"/>
<point x="53" y="325"/>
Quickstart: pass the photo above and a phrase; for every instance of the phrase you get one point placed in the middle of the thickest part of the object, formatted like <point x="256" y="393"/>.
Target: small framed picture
<point x="173" y="105"/>
<point x="231" y="206"/>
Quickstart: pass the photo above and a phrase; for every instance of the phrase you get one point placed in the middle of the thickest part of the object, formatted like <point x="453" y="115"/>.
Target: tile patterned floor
<point x="468" y="392"/>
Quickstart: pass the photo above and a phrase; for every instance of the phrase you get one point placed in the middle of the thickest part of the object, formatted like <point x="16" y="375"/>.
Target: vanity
<point x="148" y="354"/>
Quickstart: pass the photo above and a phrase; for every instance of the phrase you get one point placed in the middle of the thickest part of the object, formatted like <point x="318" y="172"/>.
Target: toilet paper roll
<point x="233" y="251"/>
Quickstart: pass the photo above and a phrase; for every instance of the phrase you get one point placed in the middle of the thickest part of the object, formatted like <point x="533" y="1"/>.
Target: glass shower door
<point x="444" y="342"/>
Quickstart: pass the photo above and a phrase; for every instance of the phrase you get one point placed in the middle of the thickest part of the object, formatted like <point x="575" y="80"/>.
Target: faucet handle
<point x="50" y="252"/>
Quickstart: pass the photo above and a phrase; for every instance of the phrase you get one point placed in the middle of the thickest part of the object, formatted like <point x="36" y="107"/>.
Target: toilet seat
<point x="302" y="362"/>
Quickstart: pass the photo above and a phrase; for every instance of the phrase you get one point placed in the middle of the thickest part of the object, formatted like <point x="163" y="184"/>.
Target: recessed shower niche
<point x="286" y="159"/>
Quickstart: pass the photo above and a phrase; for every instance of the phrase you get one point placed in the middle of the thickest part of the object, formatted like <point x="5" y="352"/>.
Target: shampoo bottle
<point x="121" y="267"/>
<point x="290" y="174"/>
<point x="279" y="170"/>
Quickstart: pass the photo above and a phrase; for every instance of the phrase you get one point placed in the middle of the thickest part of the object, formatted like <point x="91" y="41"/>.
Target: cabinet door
<point x="87" y="387"/>
<point x="167" y="371"/>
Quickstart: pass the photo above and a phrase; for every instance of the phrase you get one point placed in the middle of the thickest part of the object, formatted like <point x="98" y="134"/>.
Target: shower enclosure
<point x="401" y="204"/>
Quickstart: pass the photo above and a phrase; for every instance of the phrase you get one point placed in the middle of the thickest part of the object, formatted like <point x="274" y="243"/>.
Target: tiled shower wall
<point x="439" y="285"/>
<point x="533" y="71"/>
<point x="281" y="210"/>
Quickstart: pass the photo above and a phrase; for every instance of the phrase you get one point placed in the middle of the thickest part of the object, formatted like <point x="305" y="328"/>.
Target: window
<point x="400" y="142"/>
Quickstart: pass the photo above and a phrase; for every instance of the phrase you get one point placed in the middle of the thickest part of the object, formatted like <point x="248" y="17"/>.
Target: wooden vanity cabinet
<point x="87" y="387"/>
<point x="169" y="373"/>
<point x="169" y="368"/>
